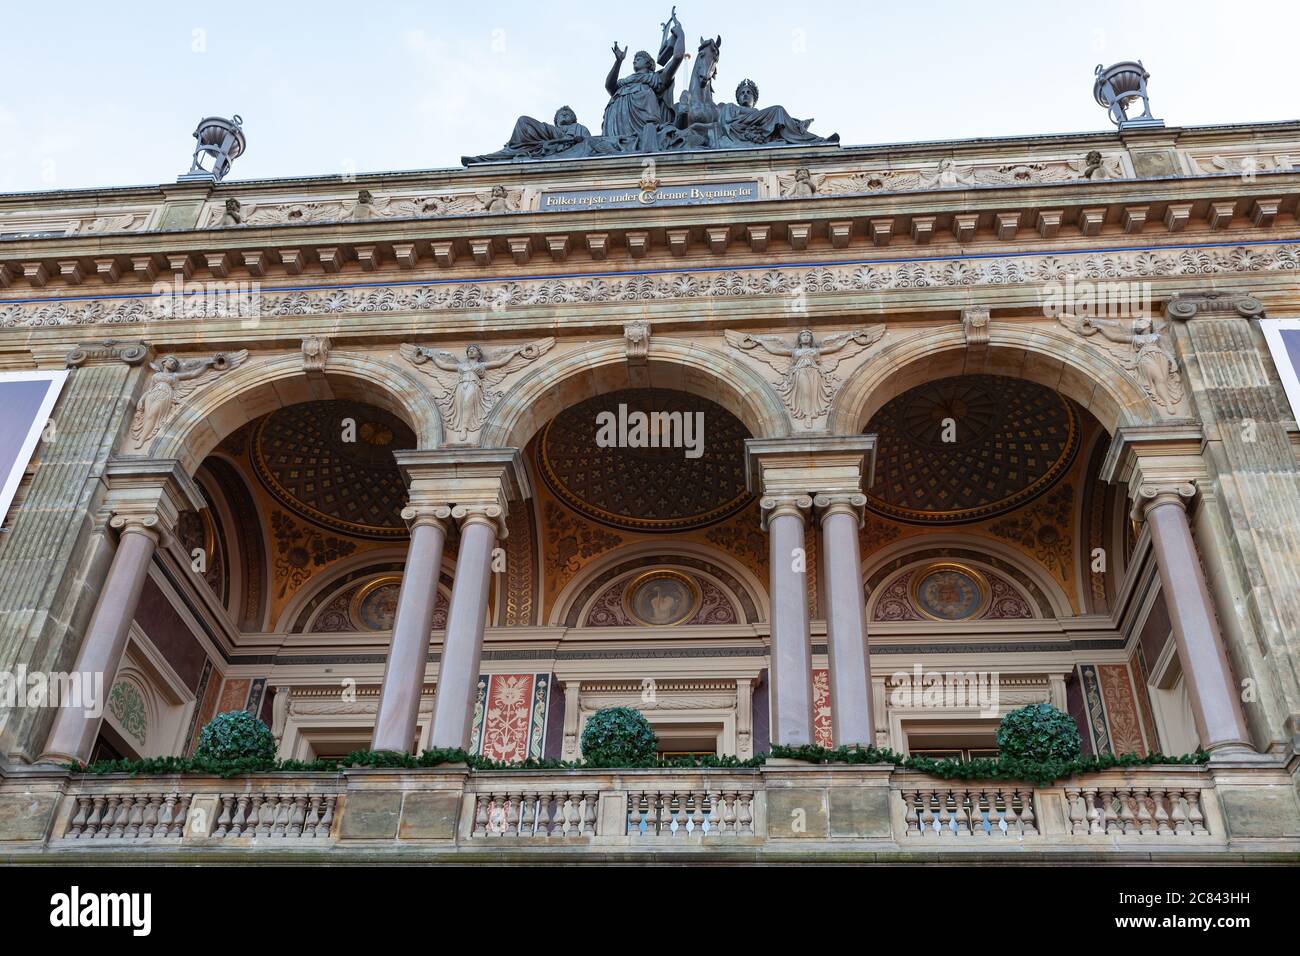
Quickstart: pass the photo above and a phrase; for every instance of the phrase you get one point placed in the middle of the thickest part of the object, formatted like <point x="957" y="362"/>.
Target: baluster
<point x="166" y="814"/>
<point x="512" y="813"/>
<point x="527" y="812"/>
<point x="79" y="818"/>
<point x="313" y="816"/>
<point x="481" y="802"/>
<point x="634" y="812"/>
<point x="591" y="805"/>
<point x="1113" y="807"/>
<point x="731" y="813"/>
<point x="927" y="813"/>
<point x="241" y="817"/>
<point x="545" y="816"/>
<point x="1096" y="812"/>
<point x="746" y="812"/>
<point x="297" y="815"/>
<point x="1074" y="801"/>
<point x="283" y="809"/>
<point x="1160" y="798"/>
<point x="1127" y="817"/>
<point x="327" y="818"/>
<point x="96" y="818"/>
<point x="149" y="818"/>
<point x="962" y="810"/>
<point x="182" y="814"/>
<point x="566" y="811"/>
<point x="1194" y="814"/>
<point x="697" y="812"/>
<point x="1145" y="820"/>
<point x="945" y="816"/>
<point x="910" y="799"/>
<point x="1027" y="812"/>
<point x="1182" y="826"/>
<point x="1009" y="814"/>
<point x="121" y="816"/>
<point x="223" y="821"/>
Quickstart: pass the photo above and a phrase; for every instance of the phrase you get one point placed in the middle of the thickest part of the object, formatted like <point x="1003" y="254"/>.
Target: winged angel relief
<point x="172" y="382"/>
<point x="1142" y="350"/>
<point x="469" y="384"/>
<point x="807" y="381"/>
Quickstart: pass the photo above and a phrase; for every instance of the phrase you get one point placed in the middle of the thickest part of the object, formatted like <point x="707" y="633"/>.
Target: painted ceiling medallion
<point x="950" y="592"/>
<point x="661" y="598"/>
<point x="642" y="488"/>
<point x="374" y="606"/>
<point x="338" y="476"/>
<point x="1009" y="441"/>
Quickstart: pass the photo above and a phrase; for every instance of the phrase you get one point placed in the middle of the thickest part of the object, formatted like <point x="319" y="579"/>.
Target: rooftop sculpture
<point x="643" y="116"/>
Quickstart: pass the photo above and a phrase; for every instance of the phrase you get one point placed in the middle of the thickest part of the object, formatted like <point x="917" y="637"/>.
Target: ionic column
<point x="73" y="736"/>
<point x="846" y="619"/>
<point x="1215" y="703"/>
<point x="145" y="498"/>
<point x="399" y="700"/>
<point x="453" y="704"/>
<point x="791" y="654"/>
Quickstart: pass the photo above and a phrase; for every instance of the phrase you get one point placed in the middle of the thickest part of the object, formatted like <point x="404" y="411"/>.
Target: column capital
<point x="850" y="503"/>
<point x="1192" y="304"/>
<point x="826" y="464"/>
<point x="1152" y="493"/>
<point x="421" y="512"/>
<point x="467" y="483"/>
<point x="485" y="512"/>
<point x="148" y="495"/>
<point x="770" y="506"/>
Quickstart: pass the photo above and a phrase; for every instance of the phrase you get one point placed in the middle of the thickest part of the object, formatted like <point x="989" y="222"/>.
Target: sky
<point x="104" y="94"/>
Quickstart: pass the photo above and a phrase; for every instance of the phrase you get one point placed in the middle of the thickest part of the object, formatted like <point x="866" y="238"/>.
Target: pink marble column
<point x="399" y="700"/>
<point x="790" y="669"/>
<point x="453" y="703"/>
<point x="846" y="620"/>
<point x="1216" y="704"/>
<point x="74" y="732"/>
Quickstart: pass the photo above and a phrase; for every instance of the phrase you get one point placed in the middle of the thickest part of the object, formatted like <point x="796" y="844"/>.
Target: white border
<point x="1272" y="329"/>
<point x="14" y="478"/>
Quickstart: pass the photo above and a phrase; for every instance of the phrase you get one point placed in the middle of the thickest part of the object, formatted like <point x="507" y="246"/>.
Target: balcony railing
<point x="781" y="809"/>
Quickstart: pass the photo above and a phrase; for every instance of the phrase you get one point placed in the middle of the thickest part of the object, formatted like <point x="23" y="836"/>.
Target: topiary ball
<point x="236" y="735"/>
<point x="1038" y="732"/>
<point x="618" y="737"/>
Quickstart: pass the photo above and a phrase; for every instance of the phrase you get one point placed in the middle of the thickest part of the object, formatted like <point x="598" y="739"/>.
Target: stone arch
<point x="1046" y="591"/>
<point x="307" y="601"/>
<point x="1051" y="357"/>
<point x="677" y="364"/>
<point x="734" y="576"/>
<point x="261" y="386"/>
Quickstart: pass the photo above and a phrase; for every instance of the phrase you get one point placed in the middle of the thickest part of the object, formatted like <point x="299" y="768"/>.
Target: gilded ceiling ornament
<point x="807" y="382"/>
<point x="1142" y="350"/>
<point x="173" y="381"/>
<point x="469" y="384"/>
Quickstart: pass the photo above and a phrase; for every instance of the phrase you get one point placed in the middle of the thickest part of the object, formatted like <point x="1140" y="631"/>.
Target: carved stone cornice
<point x="1190" y="305"/>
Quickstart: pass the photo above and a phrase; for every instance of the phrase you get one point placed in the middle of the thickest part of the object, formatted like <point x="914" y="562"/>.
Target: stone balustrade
<point x="779" y="811"/>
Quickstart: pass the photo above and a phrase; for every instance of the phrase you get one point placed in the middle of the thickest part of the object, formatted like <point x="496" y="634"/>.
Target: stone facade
<point x="312" y="461"/>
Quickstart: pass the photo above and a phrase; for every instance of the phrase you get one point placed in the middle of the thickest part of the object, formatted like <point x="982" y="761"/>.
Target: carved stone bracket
<point x="975" y="323"/>
<point x="132" y="353"/>
<point x="315" y="353"/>
<point x="1188" y="306"/>
<point x="636" y="336"/>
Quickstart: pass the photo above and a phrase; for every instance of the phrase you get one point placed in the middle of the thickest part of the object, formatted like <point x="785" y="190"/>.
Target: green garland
<point x="1038" y="772"/>
<point x="162" y="766"/>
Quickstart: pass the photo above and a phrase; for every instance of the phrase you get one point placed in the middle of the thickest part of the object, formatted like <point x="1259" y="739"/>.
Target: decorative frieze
<point x="365" y="206"/>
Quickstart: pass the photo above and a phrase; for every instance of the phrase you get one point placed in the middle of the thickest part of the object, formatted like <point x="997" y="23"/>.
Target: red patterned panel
<point x="506" y="718"/>
<point x="822" y="707"/>
<point x="1121" y="709"/>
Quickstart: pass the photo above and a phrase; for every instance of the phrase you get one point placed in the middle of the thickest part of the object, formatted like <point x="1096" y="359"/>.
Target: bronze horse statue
<point x="696" y="106"/>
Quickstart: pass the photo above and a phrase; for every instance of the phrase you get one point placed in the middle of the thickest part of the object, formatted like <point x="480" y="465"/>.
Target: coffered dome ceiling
<point x="303" y="458"/>
<point x="1013" y="440"/>
<point x="641" y="488"/>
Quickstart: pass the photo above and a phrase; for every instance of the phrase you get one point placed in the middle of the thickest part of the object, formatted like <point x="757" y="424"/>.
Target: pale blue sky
<point x="103" y="94"/>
